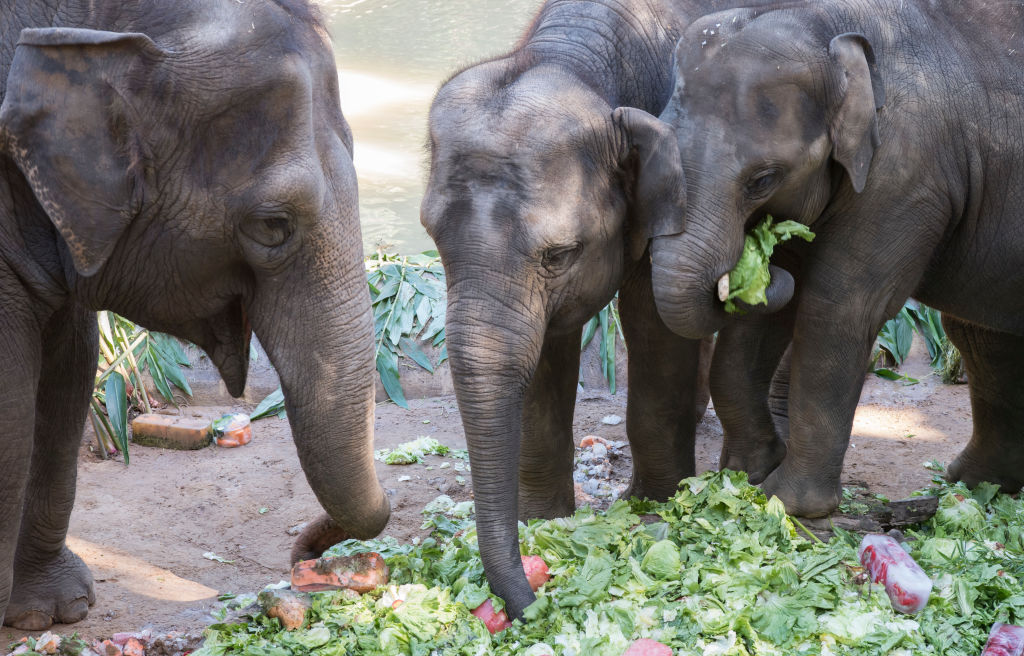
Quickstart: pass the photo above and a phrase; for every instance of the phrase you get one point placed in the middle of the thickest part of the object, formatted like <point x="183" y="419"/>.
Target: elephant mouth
<point x="226" y="338"/>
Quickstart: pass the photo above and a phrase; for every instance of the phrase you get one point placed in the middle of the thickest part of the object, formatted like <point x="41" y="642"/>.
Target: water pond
<point x="392" y="55"/>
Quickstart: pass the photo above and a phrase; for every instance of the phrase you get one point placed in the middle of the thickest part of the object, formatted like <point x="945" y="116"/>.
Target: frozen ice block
<point x="887" y="563"/>
<point x="1004" y="640"/>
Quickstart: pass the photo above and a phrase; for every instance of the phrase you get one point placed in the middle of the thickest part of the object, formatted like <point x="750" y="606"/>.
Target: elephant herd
<point x="187" y="165"/>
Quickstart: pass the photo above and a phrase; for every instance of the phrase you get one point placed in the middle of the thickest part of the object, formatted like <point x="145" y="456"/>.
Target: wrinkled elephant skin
<point x="901" y="150"/>
<point x="547" y="182"/>
<point x="185" y="165"/>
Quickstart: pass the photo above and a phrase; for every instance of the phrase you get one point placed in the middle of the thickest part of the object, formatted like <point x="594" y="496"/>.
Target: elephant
<point x="872" y="123"/>
<point x="188" y="166"/>
<point x="546" y="183"/>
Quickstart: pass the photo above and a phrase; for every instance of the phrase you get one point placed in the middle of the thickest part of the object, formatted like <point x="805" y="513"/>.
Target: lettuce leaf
<point x="720" y="571"/>
<point x="751" y="277"/>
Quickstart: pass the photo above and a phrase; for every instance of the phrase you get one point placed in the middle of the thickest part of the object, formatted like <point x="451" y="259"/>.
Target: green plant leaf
<point x="117" y="411"/>
<point x="171" y="348"/>
<point x="410" y="349"/>
<point x="387" y="367"/>
<point x="169" y="366"/>
<point x="889" y="374"/>
<point x="589" y="330"/>
<point x="159" y="380"/>
<point x="272" y="405"/>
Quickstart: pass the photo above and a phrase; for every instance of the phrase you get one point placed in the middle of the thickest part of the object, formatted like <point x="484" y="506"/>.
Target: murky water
<point x="392" y="55"/>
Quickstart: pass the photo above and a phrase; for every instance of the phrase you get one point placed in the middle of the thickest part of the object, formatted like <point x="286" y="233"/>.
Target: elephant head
<point x="193" y="172"/>
<point x="774" y="114"/>
<point x="540" y="195"/>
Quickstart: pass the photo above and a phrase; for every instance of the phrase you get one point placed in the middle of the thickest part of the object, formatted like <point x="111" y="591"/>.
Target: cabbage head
<point x="662" y="560"/>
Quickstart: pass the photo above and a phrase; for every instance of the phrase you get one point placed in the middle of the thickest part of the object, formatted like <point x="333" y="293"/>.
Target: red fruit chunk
<point x="360" y="572"/>
<point x="647" y="647"/>
<point x="1004" y="640"/>
<point x="494" y="621"/>
<point x="536" y="571"/>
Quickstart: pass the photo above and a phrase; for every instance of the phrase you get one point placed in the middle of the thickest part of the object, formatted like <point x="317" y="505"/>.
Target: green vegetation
<point x="750" y="278"/>
<point x="721" y="570"/>
<point x="896" y="336"/>
<point x="409" y="305"/>
<point x="125" y="351"/>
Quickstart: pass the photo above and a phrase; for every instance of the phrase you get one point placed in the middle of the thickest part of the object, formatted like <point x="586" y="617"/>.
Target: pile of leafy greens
<point x="750" y="278"/>
<point x="718" y="570"/>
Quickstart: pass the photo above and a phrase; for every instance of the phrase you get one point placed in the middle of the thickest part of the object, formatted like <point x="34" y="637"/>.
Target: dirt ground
<point x="144" y="529"/>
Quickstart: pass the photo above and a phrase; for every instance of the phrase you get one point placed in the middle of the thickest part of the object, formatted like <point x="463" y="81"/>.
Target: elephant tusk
<point x="723" y="287"/>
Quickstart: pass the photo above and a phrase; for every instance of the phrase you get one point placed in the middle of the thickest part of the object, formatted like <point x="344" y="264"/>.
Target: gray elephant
<point x="546" y="185"/>
<point x="186" y="165"/>
<point x="899" y="144"/>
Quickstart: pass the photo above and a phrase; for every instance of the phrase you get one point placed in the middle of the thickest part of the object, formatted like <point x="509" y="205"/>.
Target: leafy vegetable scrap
<point x="721" y="572"/>
<point x="749" y="280"/>
<point x="409" y="453"/>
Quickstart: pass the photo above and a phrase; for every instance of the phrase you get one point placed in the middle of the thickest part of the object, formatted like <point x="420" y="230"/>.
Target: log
<point x="885" y="517"/>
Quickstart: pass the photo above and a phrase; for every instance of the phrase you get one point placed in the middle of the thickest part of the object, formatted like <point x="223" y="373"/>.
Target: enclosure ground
<point x="143" y="529"/>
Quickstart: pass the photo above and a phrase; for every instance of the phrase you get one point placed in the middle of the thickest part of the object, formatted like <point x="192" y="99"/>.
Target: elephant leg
<point x="747" y="356"/>
<point x="547" y="449"/>
<point x="19" y="378"/>
<point x="778" y="395"/>
<point x="51" y="584"/>
<point x="995" y="373"/>
<point x="661" y="410"/>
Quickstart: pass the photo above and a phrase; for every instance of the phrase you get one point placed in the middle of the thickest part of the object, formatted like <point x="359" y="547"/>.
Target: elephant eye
<point x="557" y="258"/>
<point x="269" y="231"/>
<point x="763" y="181"/>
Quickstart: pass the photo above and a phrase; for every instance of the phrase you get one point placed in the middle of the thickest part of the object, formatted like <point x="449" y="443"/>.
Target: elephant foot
<point x="547" y="505"/>
<point x="758" y="461"/>
<point x="60" y="591"/>
<point x="803" y="497"/>
<point x="974" y="466"/>
<point x="320" y="535"/>
<point x="646" y="490"/>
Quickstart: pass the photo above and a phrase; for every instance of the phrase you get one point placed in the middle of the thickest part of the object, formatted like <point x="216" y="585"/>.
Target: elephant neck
<point x="621" y="50"/>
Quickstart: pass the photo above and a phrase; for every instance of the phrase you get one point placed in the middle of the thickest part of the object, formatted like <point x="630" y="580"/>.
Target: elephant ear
<point x="659" y="187"/>
<point x="859" y="94"/>
<point x="65" y="121"/>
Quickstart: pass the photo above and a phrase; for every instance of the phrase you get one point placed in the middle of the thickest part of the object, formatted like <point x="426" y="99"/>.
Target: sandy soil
<point x="144" y="529"/>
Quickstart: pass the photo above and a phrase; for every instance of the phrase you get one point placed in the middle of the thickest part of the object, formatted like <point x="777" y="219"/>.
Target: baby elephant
<point x="893" y="129"/>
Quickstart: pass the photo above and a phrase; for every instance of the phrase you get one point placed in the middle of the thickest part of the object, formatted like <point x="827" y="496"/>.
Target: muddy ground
<point x="144" y="529"/>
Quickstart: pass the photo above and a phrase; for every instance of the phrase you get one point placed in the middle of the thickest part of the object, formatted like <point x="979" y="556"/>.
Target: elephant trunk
<point x="494" y="346"/>
<point x="317" y="329"/>
<point x="690" y="273"/>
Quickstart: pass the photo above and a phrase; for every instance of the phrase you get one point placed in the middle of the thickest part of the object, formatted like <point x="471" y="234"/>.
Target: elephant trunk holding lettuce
<point x="546" y="185"/>
<point x="186" y="165"/>
<point x="900" y="146"/>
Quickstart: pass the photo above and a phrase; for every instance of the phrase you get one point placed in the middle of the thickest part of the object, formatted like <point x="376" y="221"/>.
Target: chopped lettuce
<point x="720" y="571"/>
<point x="409" y="453"/>
<point x="959" y="515"/>
<point x="750" y="278"/>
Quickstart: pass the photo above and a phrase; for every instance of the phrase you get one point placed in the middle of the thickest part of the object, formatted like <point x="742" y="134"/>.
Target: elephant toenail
<point x="75" y="611"/>
<point x="32" y="620"/>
